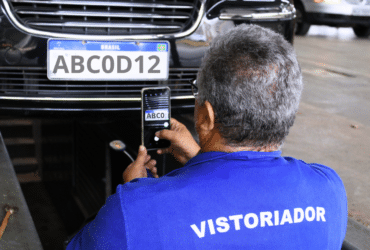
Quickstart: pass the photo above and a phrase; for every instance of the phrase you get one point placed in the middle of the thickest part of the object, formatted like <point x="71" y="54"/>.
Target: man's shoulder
<point x="146" y="188"/>
<point x="139" y="185"/>
<point x="321" y="170"/>
<point x="318" y="175"/>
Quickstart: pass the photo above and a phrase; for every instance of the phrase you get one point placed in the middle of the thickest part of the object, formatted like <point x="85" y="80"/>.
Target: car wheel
<point x="302" y="26"/>
<point x="362" y="31"/>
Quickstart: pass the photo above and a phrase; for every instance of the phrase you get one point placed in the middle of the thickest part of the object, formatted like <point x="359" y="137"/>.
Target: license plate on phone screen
<point x="156" y="115"/>
<point x="107" y="60"/>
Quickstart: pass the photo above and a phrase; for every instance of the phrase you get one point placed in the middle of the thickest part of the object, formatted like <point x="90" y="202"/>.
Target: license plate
<point x="107" y="60"/>
<point x="156" y="115"/>
<point x="361" y="11"/>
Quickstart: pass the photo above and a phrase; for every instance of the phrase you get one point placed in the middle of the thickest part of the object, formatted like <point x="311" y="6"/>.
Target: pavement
<point x="332" y="126"/>
<point x="19" y="232"/>
<point x="333" y="122"/>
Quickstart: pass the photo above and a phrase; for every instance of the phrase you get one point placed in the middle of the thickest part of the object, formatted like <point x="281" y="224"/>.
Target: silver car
<point x="336" y="13"/>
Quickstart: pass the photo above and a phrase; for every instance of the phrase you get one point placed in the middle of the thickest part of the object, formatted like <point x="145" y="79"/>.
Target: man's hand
<point x="183" y="146"/>
<point x="138" y="168"/>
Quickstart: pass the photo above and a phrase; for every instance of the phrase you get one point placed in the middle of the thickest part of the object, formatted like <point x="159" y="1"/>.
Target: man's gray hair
<point x="252" y="78"/>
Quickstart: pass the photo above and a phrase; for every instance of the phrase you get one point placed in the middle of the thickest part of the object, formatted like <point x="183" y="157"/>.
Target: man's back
<point x="241" y="200"/>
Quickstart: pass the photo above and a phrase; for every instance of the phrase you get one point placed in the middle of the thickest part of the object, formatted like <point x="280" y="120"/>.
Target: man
<point x="235" y="190"/>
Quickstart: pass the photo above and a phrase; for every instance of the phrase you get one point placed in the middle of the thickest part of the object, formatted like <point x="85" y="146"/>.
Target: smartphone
<point x="155" y="116"/>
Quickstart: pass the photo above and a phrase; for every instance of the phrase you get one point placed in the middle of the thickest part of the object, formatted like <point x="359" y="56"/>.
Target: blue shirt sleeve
<point x="106" y="231"/>
<point x="338" y="185"/>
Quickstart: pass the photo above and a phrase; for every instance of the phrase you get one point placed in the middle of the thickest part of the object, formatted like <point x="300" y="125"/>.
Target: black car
<point x="186" y="26"/>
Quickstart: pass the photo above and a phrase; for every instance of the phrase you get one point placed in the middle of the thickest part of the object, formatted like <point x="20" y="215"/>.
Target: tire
<point x="301" y="26"/>
<point x="362" y="31"/>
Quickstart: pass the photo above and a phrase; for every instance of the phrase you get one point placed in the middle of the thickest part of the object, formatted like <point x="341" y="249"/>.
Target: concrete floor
<point x="333" y="122"/>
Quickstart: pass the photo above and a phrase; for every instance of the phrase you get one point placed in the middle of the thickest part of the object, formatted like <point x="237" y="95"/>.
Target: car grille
<point x="33" y="83"/>
<point x="107" y="17"/>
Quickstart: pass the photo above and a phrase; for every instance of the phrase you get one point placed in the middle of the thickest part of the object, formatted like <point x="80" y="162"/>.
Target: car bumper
<point x="337" y="20"/>
<point x="339" y="13"/>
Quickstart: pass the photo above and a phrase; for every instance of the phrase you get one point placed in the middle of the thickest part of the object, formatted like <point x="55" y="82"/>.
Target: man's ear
<point x="206" y="116"/>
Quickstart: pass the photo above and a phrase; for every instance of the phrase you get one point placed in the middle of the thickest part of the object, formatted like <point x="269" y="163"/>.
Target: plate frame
<point x="111" y="79"/>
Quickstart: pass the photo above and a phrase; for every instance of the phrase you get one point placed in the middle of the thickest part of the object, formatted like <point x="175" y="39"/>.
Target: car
<point x="336" y="13"/>
<point x="33" y="32"/>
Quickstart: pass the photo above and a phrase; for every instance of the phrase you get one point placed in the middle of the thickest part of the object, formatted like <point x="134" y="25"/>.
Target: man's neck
<point x="218" y="144"/>
<point x="231" y="149"/>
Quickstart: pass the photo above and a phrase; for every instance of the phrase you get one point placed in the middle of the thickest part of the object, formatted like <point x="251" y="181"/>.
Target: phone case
<point x="163" y="143"/>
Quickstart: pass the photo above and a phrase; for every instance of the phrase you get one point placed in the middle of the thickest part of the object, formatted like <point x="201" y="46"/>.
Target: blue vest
<point x="241" y="200"/>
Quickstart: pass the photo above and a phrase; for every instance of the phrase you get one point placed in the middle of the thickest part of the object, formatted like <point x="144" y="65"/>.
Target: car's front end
<point x="188" y="26"/>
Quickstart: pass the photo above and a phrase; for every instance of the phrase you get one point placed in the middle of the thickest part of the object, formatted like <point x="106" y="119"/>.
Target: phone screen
<point x="156" y="113"/>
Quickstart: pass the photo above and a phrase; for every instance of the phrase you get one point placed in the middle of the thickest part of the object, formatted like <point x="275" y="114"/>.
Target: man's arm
<point x="183" y="146"/>
<point x="138" y="168"/>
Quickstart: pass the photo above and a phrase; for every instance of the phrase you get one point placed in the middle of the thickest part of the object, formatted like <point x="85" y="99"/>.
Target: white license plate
<point x="361" y="11"/>
<point x="156" y="115"/>
<point x="107" y="60"/>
